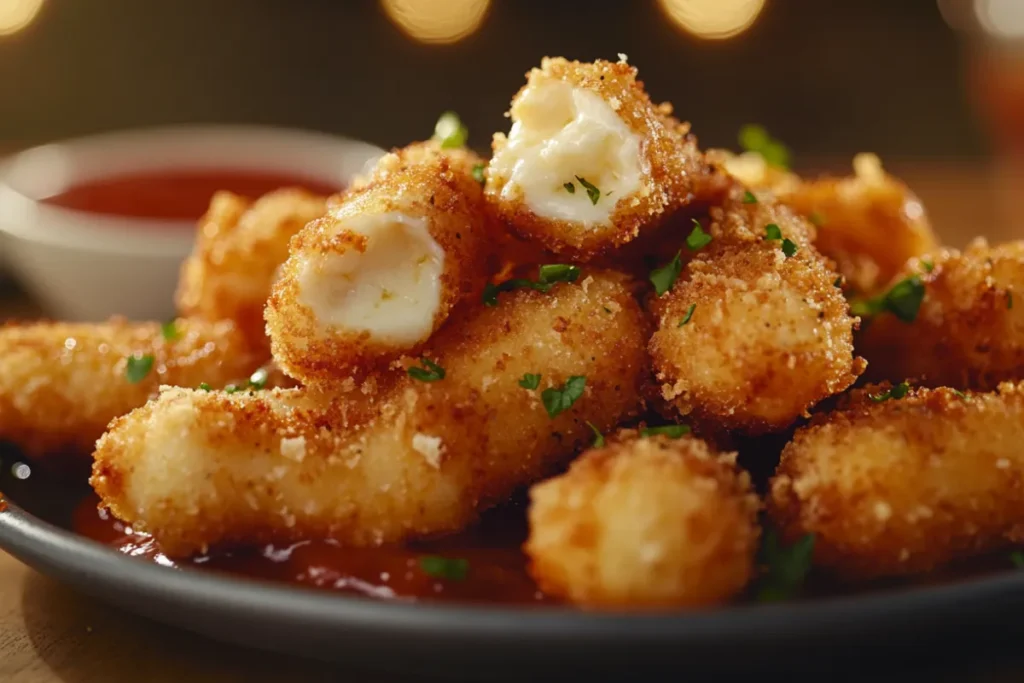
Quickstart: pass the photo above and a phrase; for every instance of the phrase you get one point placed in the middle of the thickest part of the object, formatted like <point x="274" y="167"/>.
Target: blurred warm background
<point x="935" y="87"/>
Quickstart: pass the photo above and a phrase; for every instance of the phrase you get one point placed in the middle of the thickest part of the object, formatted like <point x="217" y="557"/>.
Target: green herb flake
<point x="478" y="173"/>
<point x="430" y="372"/>
<point x="258" y="379"/>
<point x="789" y="248"/>
<point x="772" y="232"/>
<point x="1017" y="558"/>
<point x="689" y="314"/>
<point x="169" y="331"/>
<point x="903" y="300"/>
<point x="530" y="381"/>
<point x="816" y="219"/>
<point x="592" y="191"/>
<point x="838" y="282"/>
<point x="607" y="310"/>
<point x="754" y="138"/>
<point x="557" y="272"/>
<point x="570" y="188"/>
<point x="749" y="198"/>
<point x="232" y="389"/>
<point x="785" y="567"/>
<point x="961" y="395"/>
<point x="1009" y="299"/>
<point x="449" y="131"/>
<point x="449" y="568"/>
<point x="598" y="436"/>
<point x="928" y="266"/>
<point x="547" y="277"/>
<point x="137" y="368"/>
<point x="896" y="393"/>
<point x="697" y="239"/>
<point x="663" y="278"/>
<point x="671" y="431"/>
<point x="557" y="401"/>
<point x="203" y="386"/>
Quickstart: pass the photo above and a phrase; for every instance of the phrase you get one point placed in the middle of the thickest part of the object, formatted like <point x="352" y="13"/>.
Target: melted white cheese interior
<point x="561" y="133"/>
<point x="391" y="290"/>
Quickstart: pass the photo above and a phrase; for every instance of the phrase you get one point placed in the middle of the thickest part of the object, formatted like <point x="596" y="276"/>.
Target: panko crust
<point x="197" y="469"/>
<point x="62" y="383"/>
<point x="418" y="154"/>
<point x="674" y="172"/>
<point x="969" y="330"/>
<point x="905" y="485"/>
<point x="459" y="220"/>
<point x="769" y="336"/>
<point x="238" y="249"/>
<point x="645" y="523"/>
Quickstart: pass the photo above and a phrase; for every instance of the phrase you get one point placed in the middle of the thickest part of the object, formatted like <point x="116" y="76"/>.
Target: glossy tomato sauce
<point x="175" y="194"/>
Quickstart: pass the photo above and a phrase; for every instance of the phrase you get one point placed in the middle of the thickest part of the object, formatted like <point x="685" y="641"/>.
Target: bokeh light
<point x="437" y="21"/>
<point x="712" y="19"/>
<point x="1001" y="18"/>
<point x="17" y="14"/>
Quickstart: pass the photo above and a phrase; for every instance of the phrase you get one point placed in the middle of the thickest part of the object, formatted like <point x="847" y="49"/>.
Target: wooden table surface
<point x="51" y="634"/>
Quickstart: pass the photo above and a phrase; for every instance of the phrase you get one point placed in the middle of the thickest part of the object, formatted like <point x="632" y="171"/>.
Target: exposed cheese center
<point x="560" y="134"/>
<point x="392" y="289"/>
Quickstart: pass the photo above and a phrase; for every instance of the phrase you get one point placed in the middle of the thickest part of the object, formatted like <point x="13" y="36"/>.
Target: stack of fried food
<point x="601" y="292"/>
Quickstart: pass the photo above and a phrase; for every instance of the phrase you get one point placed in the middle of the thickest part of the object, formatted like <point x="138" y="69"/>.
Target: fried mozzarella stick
<point x="62" y="383"/>
<point x="893" y="485"/>
<point x="590" y="161"/>
<point x="755" y="331"/>
<point x="238" y="249"/>
<point x="645" y="523"/>
<point x="381" y="271"/>
<point x="503" y="401"/>
<point x="959" y="324"/>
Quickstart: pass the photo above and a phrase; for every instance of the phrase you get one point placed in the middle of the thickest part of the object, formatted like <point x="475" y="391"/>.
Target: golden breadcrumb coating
<point x="238" y="249"/>
<point x="203" y="468"/>
<point x="969" y="330"/>
<point x="904" y="485"/>
<point x="423" y="152"/>
<point x="62" y="383"/>
<point x="670" y="171"/>
<point x="650" y="523"/>
<point x="768" y="335"/>
<point x="419" y="232"/>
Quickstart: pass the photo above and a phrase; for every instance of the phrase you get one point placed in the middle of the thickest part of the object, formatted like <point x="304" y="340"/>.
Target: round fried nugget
<point x="645" y="523"/>
<point x="454" y="437"/>
<point x="893" y="485"/>
<point x="590" y="161"/>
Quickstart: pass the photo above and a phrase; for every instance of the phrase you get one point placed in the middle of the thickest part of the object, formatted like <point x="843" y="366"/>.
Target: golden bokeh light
<point x="437" y="21"/>
<point x="17" y="14"/>
<point x="712" y="19"/>
<point x="1001" y="18"/>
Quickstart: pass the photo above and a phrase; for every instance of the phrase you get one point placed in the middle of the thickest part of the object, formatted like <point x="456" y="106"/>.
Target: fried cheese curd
<point x="754" y="331"/>
<point x="645" y="523"/>
<point x="893" y="486"/>
<point x="239" y="246"/>
<point x="197" y="469"/>
<point x="968" y="332"/>
<point x="62" y="383"/>
<point x="380" y="272"/>
<point x="590" y="162"/>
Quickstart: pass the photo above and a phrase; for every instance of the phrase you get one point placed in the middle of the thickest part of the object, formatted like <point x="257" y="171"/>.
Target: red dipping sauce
<point x="175" y="194"/>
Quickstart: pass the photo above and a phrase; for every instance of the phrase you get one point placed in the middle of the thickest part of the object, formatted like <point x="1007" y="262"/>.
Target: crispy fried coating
<point x="650" y="523"/>
<point x="969" y="330"/>
<point x="590" y="162"/>
<point x="381" y="271"/>
<point x="238" y="249"/>
<point x="422" y="152"/>
<point x="904" y="485"/>
<point x="203" y="468"/>
<point x="768" y="336"/>
<point x="62" y="383"/>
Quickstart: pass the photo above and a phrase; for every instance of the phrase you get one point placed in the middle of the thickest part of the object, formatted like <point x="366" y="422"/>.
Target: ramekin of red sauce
<point x="98" y="226"/>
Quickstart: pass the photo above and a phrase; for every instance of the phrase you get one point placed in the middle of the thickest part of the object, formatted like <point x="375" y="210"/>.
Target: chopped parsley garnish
<point x="689" y="314"/>
<point x="896" y="393"/>
<point x="749" y="198"/>
<point x="903" y="300"/>
<point x="258" y="379"/>
<point x="786" y="567"/>
<point x="449" y="131"/>
<point x="789" y="247"/>
<point x="137" y="368"/>
<point x="816" y="218"/>
<point x="591" y="189"/>
<point x="478" y="173"/>
<point x="570" y="188"/>
<point x="838" y="282"/>
<point x="449" y="568"/>
<point x="1017" y="558"/>
<point x="232" y="389"/>
<point x="663" y="278"/>
<point x="598" y="436"/>
<point x="698" y="239"/>
<point x="961" y="395"/>
<point x="772" y="232"/>
<point x="754" y="138"/>
<point x="430" y="372"/>
<point x="547" y="277"/>
<point x="671" y="431"/>
<point x="530" y="381"/>
<point x="169" y="331"/>
<point x="557" y="401"/>
<point x="203" y="386"/>
<point x="928" y="266"/>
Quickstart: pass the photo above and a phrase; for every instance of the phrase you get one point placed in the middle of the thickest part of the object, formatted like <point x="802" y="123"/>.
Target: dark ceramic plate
<point x="518" y="642"/>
